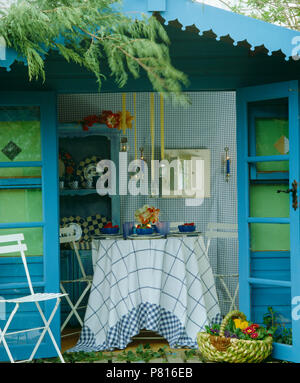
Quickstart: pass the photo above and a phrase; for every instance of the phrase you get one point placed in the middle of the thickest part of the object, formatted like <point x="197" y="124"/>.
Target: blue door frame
<point x="46" y="267"/>
<point x="290" y="91"/>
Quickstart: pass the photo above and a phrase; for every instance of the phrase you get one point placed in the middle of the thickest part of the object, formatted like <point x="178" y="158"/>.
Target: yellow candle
<point x="152" y="124"/>
<point x="124" y="112"/>
<point x="134" y="113"/>
<point x="162" y="127"/>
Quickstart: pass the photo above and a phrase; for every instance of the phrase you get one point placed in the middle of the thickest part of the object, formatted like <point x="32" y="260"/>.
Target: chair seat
<point x="34" y="298"/>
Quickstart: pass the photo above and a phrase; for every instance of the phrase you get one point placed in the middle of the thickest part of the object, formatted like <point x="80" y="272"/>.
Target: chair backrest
<point x="221" y="230"/>
<point x="6" y="247"/>
<point x="67" y="235"/>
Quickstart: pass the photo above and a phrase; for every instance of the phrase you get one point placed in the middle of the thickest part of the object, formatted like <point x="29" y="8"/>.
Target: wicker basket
<point x="232" y="350"/>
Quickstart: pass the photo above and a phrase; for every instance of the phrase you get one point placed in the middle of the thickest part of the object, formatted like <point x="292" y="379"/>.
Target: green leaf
<point x="94" y="34"/>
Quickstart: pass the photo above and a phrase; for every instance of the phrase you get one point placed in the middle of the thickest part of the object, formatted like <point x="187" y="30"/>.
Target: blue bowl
<point x="186" y="228"/>
<point x="147" y="231"/>
<point x="109" y="230"/>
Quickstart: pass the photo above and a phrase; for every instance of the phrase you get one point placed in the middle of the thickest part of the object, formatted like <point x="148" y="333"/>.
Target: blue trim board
<point x="243" y="202"/>
<point x="211" y="63"/>
<point x="206" y="18"/>
<point x="51" y="201"/>
<point x="21" y="164"/>
<point x="20" y="182"/>
<point x="271" y="265"/>
<point x="268" y="158"/>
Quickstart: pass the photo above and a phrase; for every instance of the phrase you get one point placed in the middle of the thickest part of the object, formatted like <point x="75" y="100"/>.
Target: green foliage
<point x="281" y="12"/>
<point x="190" y="353"/>
<point x="282" y="334"/>
<point x="248" y="333"/>
<point x="273" y="325"/>
<point x="94" y="34"/>
<point x="141" y="353"/>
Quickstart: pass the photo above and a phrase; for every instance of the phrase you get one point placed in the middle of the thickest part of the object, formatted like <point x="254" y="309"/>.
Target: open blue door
<point x="29" y="205"/>
<point x="268" y="209"/>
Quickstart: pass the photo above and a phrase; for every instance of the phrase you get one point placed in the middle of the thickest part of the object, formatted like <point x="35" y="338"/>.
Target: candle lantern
<point x="227" y="163"/>
<point x="124" y="147"/>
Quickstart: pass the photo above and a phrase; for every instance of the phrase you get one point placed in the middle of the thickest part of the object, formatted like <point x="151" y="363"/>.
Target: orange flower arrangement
<point x="147" y="215"/>
<point x="112" y="120"/>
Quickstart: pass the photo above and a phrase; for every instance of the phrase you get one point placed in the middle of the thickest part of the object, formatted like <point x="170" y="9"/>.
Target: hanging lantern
<point x="124" y="113"/>
<point x="152" y="128"/>
<point x="162" y="128"/>
<point x="124" y="147"/>
<point x="142" y="157"/>
<point x="134" y="119"/>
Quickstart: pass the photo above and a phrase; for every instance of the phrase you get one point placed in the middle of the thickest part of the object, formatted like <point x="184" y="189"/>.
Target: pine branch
<point x="92" y="33"/>
<point x="282" y="12"/>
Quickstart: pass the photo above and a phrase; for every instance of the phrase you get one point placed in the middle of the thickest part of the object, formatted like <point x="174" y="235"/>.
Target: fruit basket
<point x="109" y="229"/>
<point x="233" y="350"/>
<point x="187" y="228"/>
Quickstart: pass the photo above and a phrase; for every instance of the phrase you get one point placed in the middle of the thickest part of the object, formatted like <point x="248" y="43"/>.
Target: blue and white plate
<point x="107" y="236"/>
<point x="144" y="236"/>
<point x="185" y="234"/>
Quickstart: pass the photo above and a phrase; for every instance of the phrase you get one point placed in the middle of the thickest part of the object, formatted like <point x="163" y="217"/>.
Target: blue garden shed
<point x="243" y="83"/>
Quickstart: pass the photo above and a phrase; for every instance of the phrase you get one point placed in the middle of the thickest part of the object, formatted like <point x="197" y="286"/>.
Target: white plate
<point x="107" y="236"/>
<point x="145" y="236"/>
<point x="77" y="230"/>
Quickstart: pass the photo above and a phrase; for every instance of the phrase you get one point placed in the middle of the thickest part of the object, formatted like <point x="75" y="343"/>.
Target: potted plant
<point x="61" y="182"/>
<point x="74" y="181"/>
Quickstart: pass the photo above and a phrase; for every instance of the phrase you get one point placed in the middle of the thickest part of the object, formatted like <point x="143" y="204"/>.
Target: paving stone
<point x="175" y="357"/>
<point x="101" y="361"/>
<point x="157" y="360"/>
<point x="194" y="360"/>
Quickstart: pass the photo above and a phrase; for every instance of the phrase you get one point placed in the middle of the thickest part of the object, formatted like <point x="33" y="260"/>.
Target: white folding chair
<point x="68" y="235"/>
<point x="223" y="230"/>
<point x="20" y="248"/>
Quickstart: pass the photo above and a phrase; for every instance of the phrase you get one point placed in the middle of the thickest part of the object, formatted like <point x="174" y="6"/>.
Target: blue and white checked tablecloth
<point x="163" y="285"/>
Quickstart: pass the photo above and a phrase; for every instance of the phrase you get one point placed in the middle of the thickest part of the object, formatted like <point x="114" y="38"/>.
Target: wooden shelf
<point x="80" y="192"/>
<point x="75" y="130"/>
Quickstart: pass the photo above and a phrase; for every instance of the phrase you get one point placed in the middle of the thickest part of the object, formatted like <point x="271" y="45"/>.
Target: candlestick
<point x="162" y="127"/>
<point x="227" y="163"/>
<point x="135" y="139"/>
<point x="152" y="124"/>
<point x="124" y="113"/>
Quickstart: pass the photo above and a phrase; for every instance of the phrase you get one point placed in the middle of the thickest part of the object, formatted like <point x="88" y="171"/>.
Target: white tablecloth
<point x="163" y="285"/>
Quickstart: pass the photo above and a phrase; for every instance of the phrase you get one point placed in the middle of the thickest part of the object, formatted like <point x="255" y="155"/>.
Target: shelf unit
<point x="69" y="269"/>
<point x="74" y="130"/>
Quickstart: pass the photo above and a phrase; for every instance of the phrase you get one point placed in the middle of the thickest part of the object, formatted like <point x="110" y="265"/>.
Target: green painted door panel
<point x="21" y="205"/>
